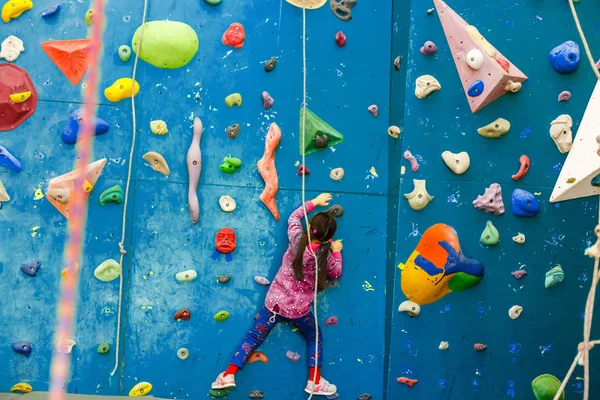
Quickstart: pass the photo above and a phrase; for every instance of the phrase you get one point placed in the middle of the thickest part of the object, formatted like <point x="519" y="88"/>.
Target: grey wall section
<point x="544" y="339"/>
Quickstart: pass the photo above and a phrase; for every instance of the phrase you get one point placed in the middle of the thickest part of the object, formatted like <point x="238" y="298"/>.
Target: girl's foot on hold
<point x="225" y="381"/>
<point x="323" y="388"/>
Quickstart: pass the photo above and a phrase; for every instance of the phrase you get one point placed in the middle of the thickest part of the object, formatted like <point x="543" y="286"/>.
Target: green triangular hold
<point x="316" y="126"/>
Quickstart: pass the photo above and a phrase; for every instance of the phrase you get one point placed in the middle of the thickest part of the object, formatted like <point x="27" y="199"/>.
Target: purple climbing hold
<point x="414" y="164"/>
<point x="303" y="170"/>
<point x="333" y="396"/>
<point x="428" y="48"/>
<point x="565" y="95"/>
<point x="22" y="348"/>
<point x="293" y="357"/>
<point x="31" y="269"/>
<point x="491" y="200"/>
<point x="268" y="101"/>
<point x="518" y="274"/>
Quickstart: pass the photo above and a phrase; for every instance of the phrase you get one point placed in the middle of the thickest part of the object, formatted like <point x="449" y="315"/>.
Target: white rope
<point x="583" y="350"/>
<point x="303" y="133"/>
<point x="124" y="222"/>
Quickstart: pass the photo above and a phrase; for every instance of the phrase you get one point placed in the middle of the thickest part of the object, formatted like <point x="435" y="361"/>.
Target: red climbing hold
<point x="183" y="314"/>
<point x="340" y="39"/>
<point x="408" y="382"/>
<point x="331" y="321"/>
<point x="70" y="56"/>
<point x="15" y="80"/>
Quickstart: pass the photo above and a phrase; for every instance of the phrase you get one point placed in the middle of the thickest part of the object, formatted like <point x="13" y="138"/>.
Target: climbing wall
<point x="544" y="339"/>
<point x="161" y="239"/>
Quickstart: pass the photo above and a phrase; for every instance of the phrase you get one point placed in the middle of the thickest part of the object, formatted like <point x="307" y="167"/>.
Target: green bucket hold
<point x="545" y="387"/>
<point x="166" y="44"/>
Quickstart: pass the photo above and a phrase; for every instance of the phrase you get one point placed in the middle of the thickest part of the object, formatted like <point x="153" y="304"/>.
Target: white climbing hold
<point x="159" y="127"/>
<point x="186" y="276"/>
<point x="457" y="162"/>
<point x="520" y="238"/>
<point x="475" y="59"/>
<point x="4" y="197"/>
<point x="394" y="131"/>
<point x="183" y="353"/>
<point x="227" y="203"/>
<point x="444" y="346"/>
<point x="418" y="198"/>
<point x="515" y="312"/>
<point x="12" y="47"/>
<point x="513" y="87"/>
<point x="337" y="174"/>
<point x="560" y="131"/>
<point x="65" y="347"/>
<point x="60" y="195"/>
<point x="425" y="85"/>
<point x="410" y="307"/>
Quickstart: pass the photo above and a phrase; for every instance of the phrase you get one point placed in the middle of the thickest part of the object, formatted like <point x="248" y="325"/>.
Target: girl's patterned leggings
<point x="263" y="326"/>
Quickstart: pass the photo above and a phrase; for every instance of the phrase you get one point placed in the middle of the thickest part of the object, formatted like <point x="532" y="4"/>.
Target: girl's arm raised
<point x="295" y="220"/>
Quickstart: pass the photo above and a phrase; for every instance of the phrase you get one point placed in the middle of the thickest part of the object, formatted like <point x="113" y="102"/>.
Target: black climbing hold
<point x="336" y="210"/>
<point x="223" y="278"/>
<point x="22" y="348"/>
<point x="218" y="393"/>
<point x="596" y="181"/>
<point x="321" y="141"/>
<point x="365" y="396"/>
<point x="256" y="394"/>
<point x="270" y="64"/>
<point x="233" y="131"/>
<point x="31" y="269"/>
<point x="332" y="283"/>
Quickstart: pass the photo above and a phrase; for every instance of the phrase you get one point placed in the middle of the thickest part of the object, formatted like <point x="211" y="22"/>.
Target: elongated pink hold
<point x="564" y="96"/>
<point x="414" y="164"/>
<point x="518" y="274"/>
<point x="373" y="109"/>
<point x="331" y="321"/>
<point x="479" y="347"/>
<point x="267" y="170"/>
<point x="194" y="164"/>
<point x="523" y="169"/>
<point x="268" y="101"/>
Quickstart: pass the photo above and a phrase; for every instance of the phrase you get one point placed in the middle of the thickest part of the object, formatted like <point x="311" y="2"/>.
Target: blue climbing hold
<point x="52" y="11"/>
<point x="476" y="88"/>
<point x="565" y="57"/>
<point x="31" y="269"/>
<point x="524" y="204"/>
<point x="71" y="130"/>
<point x="22" y="348"/>
<point x="8" y="160"/>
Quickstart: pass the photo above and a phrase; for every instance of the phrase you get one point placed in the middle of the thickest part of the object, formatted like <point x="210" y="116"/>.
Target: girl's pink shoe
<point x="225" y="382"/>
<point x="323" y="388"/>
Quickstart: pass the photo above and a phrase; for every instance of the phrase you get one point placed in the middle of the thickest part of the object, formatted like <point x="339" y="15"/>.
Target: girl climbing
<point x="292" y="292"/>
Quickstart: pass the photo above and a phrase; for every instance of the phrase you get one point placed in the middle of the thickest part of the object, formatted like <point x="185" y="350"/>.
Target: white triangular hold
<point x="583" y="162"/>
<point x="4" y="197"/>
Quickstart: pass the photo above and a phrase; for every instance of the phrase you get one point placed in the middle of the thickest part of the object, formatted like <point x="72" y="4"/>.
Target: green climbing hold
<point x="124" y="53"/>
<point x="317" y="129"/>
<point x="545" y="387"/>
<point x="461" y="281"/>
<point x="108" y="271"/>
<point x="490" y="235"/>
<point x="112" y="195"/>
<point x="230" y="165"/>
<point x="222" y="316"/>
<point x="555" y="276"/>
<point x="213" y="2"/>
<point x="103" y="348"/>
<point x="89" y="16"/>
<point x="218" y="393"/>
<point x="166" y="44"/>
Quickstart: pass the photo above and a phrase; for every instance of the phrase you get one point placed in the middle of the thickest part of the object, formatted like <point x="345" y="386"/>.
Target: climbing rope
<point x="583" y="349"/>
<point x="61" y="362"/>
<point x="312" y="252"/>
<point x="124" y="221"/>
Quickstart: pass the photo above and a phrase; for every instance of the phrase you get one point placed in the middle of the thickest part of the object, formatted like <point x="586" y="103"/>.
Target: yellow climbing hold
<point x="159" y="127"/>
<point x="234" y="99"/>
<point x="19" y="98"/>
<point x="141" y="389"/>
<point x="14" y="8"/>
<point x="21" y="387"/>
<point x="87" y="187"/>
<point x="121" y="89"/>
<point x="65" y="271"/>
<point x="38" y="195"/>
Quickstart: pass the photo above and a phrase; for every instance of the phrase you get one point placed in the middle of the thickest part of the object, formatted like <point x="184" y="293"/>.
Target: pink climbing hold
<point x="479" y="347"/>
<point x="428" y="48"/>
<point x="292" y="356"/>
<point x="303" y="170"/>
<point x="340" y="39"/>
<point x="491" y="200"/>
<point x="268" y="101"/>
<point x="565" y="95"/>
<point x="518" y="274"/>
<point x="373" y="109"/>
<point x="414" y="164"/>
<point x="331" y="321"/>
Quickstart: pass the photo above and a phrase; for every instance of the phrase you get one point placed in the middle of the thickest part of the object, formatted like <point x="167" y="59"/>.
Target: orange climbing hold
<point x="70" y="56"/>
<point x="257" y="356"/>
<point x="407" y="381"/>
<point x="60" y="189"/>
